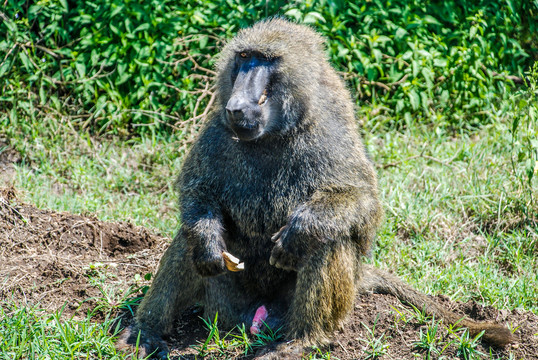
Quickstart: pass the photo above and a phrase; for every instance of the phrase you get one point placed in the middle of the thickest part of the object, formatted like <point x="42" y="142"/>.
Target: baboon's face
<point x="250" y="106"/>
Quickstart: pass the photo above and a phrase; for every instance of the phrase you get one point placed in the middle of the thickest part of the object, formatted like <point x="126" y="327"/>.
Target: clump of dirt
<point x="48" y="258"/>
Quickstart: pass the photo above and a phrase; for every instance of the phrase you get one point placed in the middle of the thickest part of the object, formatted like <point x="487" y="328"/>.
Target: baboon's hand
<point x="208" y="262"/>
<point x="281" y="256"/>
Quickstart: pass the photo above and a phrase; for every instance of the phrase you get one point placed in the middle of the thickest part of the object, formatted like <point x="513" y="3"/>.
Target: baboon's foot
<point x="289" y="350"/>
<point x="148" y="342"/>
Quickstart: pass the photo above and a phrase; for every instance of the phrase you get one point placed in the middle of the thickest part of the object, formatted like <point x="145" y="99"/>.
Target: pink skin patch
<point x="259" y="318"/>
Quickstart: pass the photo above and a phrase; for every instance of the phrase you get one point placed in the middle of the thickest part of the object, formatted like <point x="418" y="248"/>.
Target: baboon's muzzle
<point x="244" y="110"/>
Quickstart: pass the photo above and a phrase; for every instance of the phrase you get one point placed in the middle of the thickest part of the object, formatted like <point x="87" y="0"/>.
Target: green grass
<point x="30" y="333"/>
<point x="457" y="218"/>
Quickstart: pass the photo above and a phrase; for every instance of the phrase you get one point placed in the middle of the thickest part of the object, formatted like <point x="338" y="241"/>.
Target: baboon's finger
<point x="278" y="234"/>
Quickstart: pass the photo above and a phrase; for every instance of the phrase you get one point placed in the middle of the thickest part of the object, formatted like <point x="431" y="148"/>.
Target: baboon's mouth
<point x="263" y="98"/>
<point x="246" y="132"/>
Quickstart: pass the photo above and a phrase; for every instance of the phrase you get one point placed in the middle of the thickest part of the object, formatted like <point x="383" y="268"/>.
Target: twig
<point x="198" y="66"/>
<point x="3" y="16"/>
<point x="515" y="79"/>
<point x="442" y="162"/>
<point x="57" y="82"/>
<point x="206" y="111"/>
<point x="8" y="53"/>
<point x="4" y="202"/>
<point x="396" y="163"/>
<point x="397" y="59"/>
<point x="153" y="115"/>
<point x="388" y="87"/>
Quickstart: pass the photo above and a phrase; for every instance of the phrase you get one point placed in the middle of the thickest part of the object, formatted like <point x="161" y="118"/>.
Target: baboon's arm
<point x="202" y="224"/>
<point x="338" y="211"/>
<point x="331" y="214"/>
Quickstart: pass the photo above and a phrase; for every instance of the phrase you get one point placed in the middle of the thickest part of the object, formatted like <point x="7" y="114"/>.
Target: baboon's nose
<point x="236" y="108"/>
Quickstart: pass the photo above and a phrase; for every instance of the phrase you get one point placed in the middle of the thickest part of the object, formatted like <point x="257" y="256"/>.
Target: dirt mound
<point x="47" y="257"/>
<point x="51" y="259"/>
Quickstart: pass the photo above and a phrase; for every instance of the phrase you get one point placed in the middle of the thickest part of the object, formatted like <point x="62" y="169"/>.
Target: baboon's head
<point x="268" y="76"/>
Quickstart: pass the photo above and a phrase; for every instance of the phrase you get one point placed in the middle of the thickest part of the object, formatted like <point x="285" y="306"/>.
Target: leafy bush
<point x="436" y="60"/>
<point x="114" y="65"/>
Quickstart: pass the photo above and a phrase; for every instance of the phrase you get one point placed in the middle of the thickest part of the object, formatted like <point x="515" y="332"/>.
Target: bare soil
<point x="47" y="258"/>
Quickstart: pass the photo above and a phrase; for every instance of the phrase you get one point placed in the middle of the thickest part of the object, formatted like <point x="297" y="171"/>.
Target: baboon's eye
<point x="244" y="55"/>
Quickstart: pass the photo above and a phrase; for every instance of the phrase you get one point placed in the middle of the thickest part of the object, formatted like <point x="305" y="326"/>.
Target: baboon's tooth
<point x="263" y="98"/>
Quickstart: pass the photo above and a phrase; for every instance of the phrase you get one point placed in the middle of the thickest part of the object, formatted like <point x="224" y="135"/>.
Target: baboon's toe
<point x="142" y="343"/>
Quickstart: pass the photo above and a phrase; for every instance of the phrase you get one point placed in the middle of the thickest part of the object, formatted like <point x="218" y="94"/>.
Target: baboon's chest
<point x="267" y="185"/>
<point x="257" y="207"/>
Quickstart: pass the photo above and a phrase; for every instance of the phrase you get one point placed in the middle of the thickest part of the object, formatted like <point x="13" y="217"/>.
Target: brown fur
<point x="307" y="180"/>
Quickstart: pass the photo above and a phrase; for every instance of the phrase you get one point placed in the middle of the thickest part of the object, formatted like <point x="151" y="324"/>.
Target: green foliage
<point x="524" y="136"/>
<point x="376" y="346"/>
<point x="437" y="61"/>
<point x="117" y="65"/>
<point x="429" y="342"/>
<point x="467" y="345"/>
<point x="223" y="345"/>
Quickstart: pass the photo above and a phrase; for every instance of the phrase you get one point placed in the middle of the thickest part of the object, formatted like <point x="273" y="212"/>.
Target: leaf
<point x="114" y="29"/>
<point x="123" y="75"/>
<point x="116" y="11"/>
<point x="378" y="55"/>
<point x="142" y="27"/>
<point x="416" y="67"/>
<point x="81" y="68"/>
<point x="371" y="73"/>
<point x="294" y="13"/>
<point x="203" y="41"/>
<point x="6" y="65"/>
<point x="122" y="79"/>
<point x="472" y="33"/>
<point x="42" y="95"/>
<point x="515" y="124"/>
<point x="382" y="39"/>
<point x="428" y="19"/>
<point x="25" y="61"/>
<point x="428" y="76"/>
<point x="10" y="25"/>
<point x="440" y="62"/>
<point x="414" y="99"/>
<point x="313" y="17"/>
<point x="400" y="34"/>
<point x="445" y="96"/>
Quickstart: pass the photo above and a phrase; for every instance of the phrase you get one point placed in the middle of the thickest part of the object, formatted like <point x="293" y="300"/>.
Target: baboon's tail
<point x="375" y="280"/>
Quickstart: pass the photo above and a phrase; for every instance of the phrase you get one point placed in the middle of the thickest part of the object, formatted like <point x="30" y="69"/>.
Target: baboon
<point x="278" y="177"/>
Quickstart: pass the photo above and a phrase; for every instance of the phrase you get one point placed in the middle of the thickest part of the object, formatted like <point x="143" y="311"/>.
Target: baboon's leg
<point x="176" y="286"/>
<point x="223" y="297"/>
<point x="324" y="294"/>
